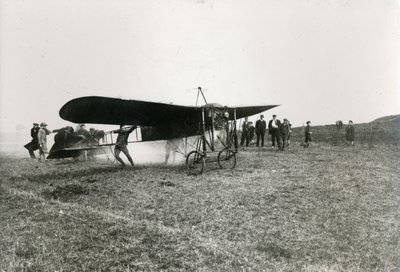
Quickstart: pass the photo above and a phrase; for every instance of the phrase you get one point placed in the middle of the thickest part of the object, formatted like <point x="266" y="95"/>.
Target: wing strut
<point x="200" y="91"/>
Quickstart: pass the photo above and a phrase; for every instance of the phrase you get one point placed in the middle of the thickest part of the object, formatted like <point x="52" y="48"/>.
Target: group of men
<point x="349" y="130"/>
<point x="248" y="130"/>
<point x="279" y="131"/>
<point x="39" y="141"/>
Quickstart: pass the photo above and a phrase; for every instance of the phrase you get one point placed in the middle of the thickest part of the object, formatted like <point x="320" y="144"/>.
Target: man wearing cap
<point x="307" y="134"/>
<point x="33" y="144"/>
<point x="261" y="126"/>
<point x="284" y="130"/>
<point x="273" y="129"/>
<point x="122" y="142"/>
<point x="350" y="133"/>
<point x="245" y="132"/>
<point x="251" y="133"/>
<point x="42" y="140"/>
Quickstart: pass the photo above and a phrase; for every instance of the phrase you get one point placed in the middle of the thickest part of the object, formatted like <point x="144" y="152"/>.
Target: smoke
<point x="148" y="153"/>
<point x="12" y="145"/>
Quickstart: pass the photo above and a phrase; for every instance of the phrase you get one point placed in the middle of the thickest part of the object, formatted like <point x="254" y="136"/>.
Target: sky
<point x="319" y="60"/>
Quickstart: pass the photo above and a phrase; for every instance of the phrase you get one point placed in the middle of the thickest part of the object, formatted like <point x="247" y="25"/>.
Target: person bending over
<point x="122" y="142"/>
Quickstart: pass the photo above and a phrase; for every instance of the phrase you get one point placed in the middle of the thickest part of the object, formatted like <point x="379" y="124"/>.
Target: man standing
<point x="350" y="133"/>
<point x="251" y="133"/>
<point x="285" y="133"/>
<point x="260" y="130"/>
<point x="307" y="134"/>
<point x="122" y="142"/>
<point x="245" y="133"/>
<point x="290" y="133"/>
<point x="42" y="140"/>
<point x="273" y="129"/>
<point x="33" y="144"/>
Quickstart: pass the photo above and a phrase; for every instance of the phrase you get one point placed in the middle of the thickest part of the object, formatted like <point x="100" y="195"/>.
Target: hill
<point x="384" y="130"/>
<point x="388" y="119"/>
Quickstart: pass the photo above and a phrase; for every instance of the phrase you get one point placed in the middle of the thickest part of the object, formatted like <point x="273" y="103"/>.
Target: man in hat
<point x="42" y="141"/>
<point x="251" y="133"/>
<point x="307" y="134"/>
<point x="122" y="142"/>
<point x="245" y="132"/>
<point x="273" y="130"/>
<point x="261" y="126"/>
<point x="284" y="130"/>
<point x="33" y="144"/>
<point x="350" y="133"/>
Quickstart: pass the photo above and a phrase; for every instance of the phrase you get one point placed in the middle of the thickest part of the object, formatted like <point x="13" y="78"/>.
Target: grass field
<point x="326" y="208"/>
<point x="384" y="130"/>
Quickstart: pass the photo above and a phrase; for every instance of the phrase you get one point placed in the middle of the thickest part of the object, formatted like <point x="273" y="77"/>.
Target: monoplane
<point x="210" y="123"/>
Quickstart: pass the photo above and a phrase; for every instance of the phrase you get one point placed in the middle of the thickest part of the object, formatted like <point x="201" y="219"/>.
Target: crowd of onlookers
<point x="280" y="132"/>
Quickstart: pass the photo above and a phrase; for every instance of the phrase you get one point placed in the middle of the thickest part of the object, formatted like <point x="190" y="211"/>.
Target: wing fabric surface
<point x="165" y="121"/>
<point x="114" y="111"/>
<point x="242" y="112"/>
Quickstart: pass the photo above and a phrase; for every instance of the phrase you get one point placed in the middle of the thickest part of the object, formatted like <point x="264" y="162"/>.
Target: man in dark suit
<point x="350" y="133"/>
<point x="284" y="132"/>
<point x="251" y="133"/>
<point x="261" y="126"/>
<point x="307" y="134"/>
<point x="245" y="133"/>
<point x="273" y="130"/>
<point x="33" y="144"/>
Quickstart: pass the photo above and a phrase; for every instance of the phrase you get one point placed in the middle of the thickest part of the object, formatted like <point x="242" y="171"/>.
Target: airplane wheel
<point x="195" y="163"/>
<point x="227" y="159"/>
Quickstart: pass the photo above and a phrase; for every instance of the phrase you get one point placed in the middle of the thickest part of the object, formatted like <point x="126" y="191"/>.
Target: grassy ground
<point x="385" y="130"/>
<point x="325" y="208"/>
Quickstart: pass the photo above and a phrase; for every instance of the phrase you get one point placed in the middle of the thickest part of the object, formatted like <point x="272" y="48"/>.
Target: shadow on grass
<point x="66" y="193"/>
<point x="274" y="251"/>
<point x="70" y="173"/>
<point x="78" y="172"/>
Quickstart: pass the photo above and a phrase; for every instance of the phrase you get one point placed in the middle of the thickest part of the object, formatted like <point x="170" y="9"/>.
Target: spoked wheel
<point x="195" y="163"/>
<point x="227" y="159"/>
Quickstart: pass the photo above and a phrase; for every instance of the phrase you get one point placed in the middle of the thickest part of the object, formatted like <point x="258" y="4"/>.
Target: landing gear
<point x="227" y="159"/>
<point x="195" y="163"/>
<point x="195" y="160"/>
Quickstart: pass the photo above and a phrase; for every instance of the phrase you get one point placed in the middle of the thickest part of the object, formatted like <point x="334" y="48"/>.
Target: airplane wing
<point x="159" y="121"/>
<point x="242" y="112"/>
<point x="114" y="111"/>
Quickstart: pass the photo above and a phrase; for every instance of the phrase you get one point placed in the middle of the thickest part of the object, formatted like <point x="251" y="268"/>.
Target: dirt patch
<point x="66" y="193"/>
<point x="274" y="251"/>
<point x="167" y="183"/>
